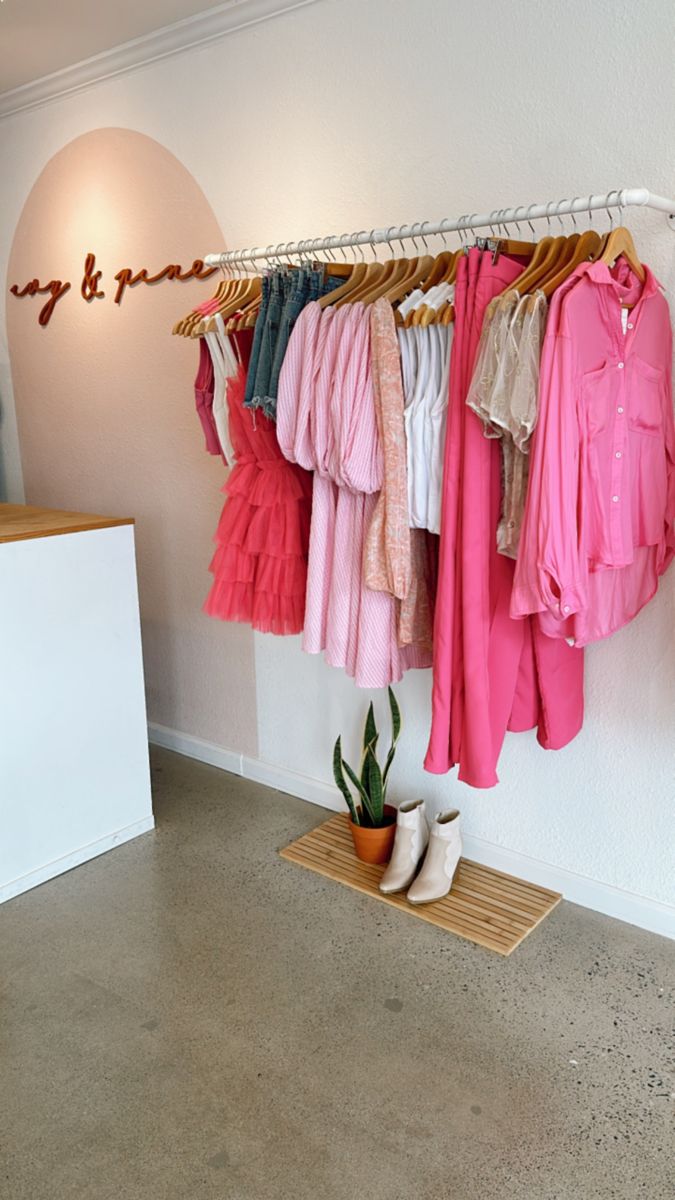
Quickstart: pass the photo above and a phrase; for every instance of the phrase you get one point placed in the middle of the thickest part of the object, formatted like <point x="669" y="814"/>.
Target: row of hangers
<point x="551" y="260"/>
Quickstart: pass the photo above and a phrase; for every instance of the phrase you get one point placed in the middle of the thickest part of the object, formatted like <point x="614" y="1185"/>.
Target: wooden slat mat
<point x="495" y="910"/>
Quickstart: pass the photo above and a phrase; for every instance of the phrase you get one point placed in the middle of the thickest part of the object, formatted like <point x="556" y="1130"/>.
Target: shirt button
<point x="620" y="366"/>
<point x="618" y="454"/>
<point x="629" y="325"/>
<point x="615" y="499"/>
<point x="566" y="608"/>
<point x="619" y="409"/>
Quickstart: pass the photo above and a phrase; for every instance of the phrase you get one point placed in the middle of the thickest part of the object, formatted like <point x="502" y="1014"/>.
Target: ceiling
<point x="40" y="36"/>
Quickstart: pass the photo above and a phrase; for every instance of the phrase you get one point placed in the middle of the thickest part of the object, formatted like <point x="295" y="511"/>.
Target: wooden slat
<point x="19" y="522"/>
<point x="487" y="907"/>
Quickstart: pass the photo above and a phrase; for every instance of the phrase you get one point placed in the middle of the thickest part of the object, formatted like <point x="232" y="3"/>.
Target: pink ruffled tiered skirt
<point x="260" y="565"/>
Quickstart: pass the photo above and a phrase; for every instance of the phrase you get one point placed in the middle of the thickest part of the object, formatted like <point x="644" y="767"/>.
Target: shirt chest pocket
<point x="635" y="390"/>
<point x="599" y="390"/>
<point x="645" y="401"/>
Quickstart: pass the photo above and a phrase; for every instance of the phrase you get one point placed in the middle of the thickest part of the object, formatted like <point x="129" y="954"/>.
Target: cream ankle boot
<point x="412" y="835"/>
<point x="445" y="848"/>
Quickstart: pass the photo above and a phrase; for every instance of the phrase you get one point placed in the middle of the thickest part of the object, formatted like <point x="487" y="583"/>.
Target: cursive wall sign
<point x="56" y="290"/>
<point x="91" y="278"/>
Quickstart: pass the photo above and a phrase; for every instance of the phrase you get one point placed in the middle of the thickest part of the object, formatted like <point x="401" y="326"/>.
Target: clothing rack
<point x="618" y="198"/>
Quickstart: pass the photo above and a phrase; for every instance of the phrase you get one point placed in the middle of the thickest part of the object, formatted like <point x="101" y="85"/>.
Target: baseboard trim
<point x="642" y="911"/>
<point x="83" y="854"/>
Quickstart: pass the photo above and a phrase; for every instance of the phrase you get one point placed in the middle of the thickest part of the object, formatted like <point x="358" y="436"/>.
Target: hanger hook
<point x="572" y="214"/>
<point x="527" y="218"/>
<point x="620" y="205"/>
<point x="387" y="237"/>
<point x="548" y="214"/>
<point x="424" y="240"/>
<point x="609" y="214"/>
<point x="441" y="233"/>
<point x="557" y="213"/>
<point x="516" y="222"/>
<point x="372" y="244"/>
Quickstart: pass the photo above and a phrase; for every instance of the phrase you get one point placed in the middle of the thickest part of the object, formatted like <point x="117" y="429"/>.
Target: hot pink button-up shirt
<point x="598" y="528"/>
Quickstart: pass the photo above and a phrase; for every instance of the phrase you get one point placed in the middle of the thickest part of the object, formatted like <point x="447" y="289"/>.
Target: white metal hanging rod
<point x="618" y="198"/>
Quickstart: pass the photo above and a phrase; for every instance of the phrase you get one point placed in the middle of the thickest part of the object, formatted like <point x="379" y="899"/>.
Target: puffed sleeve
<point x="551" y="571"/>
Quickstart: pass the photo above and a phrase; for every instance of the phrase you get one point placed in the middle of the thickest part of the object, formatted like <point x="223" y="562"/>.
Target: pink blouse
<point x="598" y="528"/>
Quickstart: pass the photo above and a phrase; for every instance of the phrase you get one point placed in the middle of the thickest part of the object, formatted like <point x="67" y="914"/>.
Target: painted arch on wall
<point x="105" y="406"/>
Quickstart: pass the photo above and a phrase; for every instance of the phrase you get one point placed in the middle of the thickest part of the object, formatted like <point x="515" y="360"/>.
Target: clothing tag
<point x="624" y="320"/>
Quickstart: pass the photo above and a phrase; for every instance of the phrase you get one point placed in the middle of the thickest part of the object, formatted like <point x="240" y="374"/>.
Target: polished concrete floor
<point x="192" y="1018"/>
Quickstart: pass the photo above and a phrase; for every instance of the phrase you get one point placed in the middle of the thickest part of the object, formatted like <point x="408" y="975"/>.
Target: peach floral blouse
<point x="395" y="556"/>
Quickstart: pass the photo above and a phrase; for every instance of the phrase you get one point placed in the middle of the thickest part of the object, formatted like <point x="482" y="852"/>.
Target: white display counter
<point x="74" y="772"/>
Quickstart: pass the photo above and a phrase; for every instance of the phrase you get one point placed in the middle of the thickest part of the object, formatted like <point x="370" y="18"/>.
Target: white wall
<point x="346" y="115"/>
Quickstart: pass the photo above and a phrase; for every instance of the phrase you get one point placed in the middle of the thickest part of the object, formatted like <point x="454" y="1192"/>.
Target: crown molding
<point x="197" y="30"/>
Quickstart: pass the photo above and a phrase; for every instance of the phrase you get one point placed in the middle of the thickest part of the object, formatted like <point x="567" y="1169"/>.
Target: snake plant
<point x="366" y="806"/>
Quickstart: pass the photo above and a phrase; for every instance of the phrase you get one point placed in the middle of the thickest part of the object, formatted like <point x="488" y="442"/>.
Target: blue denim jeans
<point x="257" y="339"/>
<point x="284" y="298"/>
<point x="268" y="339"/>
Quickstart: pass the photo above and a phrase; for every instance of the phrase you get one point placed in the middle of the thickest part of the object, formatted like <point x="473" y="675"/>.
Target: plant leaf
<point x="342" y="782"/>
<point x="370" y="734"/>
<point x="395" y="717"/>
<point x="365" y="798"/>
<point x="370" y="730"/>
<point x="376" y="787"/>
<point x="395" y="735"/>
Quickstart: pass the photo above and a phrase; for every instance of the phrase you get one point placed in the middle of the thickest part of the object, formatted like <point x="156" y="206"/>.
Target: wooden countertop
<point x="21" y="521"/>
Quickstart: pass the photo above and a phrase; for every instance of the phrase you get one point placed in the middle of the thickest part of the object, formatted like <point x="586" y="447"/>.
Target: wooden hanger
<point x="585" y="251"/>
<point x="540" y="253"/>
<point x="538" y="271"/>
<point x="344" y="270"/>
<point x="225" y="288"/>
<point x="249" y="289"/>
<point x="355" y="278"/>
<point x="196" y="323"/>
<point x="414" y="278"/>
<point x="515" y="247"/>
<point x="195" y="314"/>
<point x="377" y="287"/>
<point x="620" y="244"/>
<point x="442" y="263"/>
<point x="369" y="283"/>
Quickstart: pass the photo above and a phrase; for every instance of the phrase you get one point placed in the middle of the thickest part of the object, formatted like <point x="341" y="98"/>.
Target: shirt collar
<point x="599" y="272"/>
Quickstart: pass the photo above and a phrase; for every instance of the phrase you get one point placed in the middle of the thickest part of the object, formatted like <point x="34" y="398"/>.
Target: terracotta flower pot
<point x="375" y="845"/>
